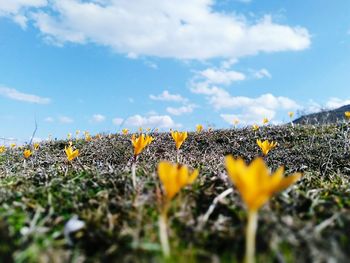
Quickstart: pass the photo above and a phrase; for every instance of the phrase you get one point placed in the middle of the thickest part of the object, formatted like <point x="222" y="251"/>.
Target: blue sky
<point x="102" y="65"/>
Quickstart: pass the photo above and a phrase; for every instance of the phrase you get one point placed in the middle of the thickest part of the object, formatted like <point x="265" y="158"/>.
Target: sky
<point x="104" y="65"/>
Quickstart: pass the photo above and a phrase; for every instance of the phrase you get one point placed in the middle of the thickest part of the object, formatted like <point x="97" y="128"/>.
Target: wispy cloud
<point x="65" y="120"/>
<point x="181" y="110"/>
<point x="220" y="76"/>
<point x="49" y="119"/>
<point x="97" y="118"/>
<point x="167" y="96"/>
<point x="155" y="121"/>
<point x="262" y="73"/>
<point x="118" y="121"/>
<point x="20" y="96"/>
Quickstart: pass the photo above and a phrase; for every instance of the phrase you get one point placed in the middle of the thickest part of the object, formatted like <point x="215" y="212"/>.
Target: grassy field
<point x="309" y="222"/>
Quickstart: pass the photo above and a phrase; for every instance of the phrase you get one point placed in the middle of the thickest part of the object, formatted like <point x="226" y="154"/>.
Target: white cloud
<point x="49" y="119"/>
<point x="117" y="121"/>
<point x="182" y="29"/>
<point x="250" y="110"/>
<point x="250" y="115"/>
<point x="157" y="121"/>
<point x="151" y="64"/>
<point x="181" y="110"/>
<point x="167" y="96"/>
<point x="216" y="76"/>
<point x="226" y="64"/>
<point x="268" y="101"/>
<point x="221" y="99"/>
<point x="97" y="118"/>
<point x="334" y="103"/>
<point x="65" y="120"/>
<point x="20" y="96"/>
<point x="262" y="73"/>
<point x="16" y="9"/>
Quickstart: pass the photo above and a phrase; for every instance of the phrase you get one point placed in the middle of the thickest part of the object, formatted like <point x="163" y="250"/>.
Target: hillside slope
<point x="309" y="222"/>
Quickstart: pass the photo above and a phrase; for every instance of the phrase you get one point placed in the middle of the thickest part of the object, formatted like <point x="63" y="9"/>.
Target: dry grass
<point x="310" y="222"/>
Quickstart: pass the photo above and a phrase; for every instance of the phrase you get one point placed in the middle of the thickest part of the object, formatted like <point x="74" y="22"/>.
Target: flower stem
<point x="250" y="236"/>
<point x="133" y="172"/>
<point x="163" y="234"/>
<point x="177" y="155"/>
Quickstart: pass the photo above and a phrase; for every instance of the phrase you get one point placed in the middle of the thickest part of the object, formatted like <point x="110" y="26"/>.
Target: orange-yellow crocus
<point x="13" y="145"/>
<point x="199" y="128"/>
<point x="291" y="114"/>
<point x="140" y="142"/>
<point x="174" y="177"/>
<point x="2" y="149"/>
<point x="255" y="127"/>
<point x="27" y="153"/>
<point x="71" y="154"/>
<point x="265" y="120"/>
<point x="256" y="186"/>
<point x="87" y="137"/>
<point x="255" y="183"/>
<point x="36" y="146"/>
<point x="179" y="138"/>
<point x="347" y="115"/>
<point x="125" y="131"/>
<point x="266" y="146"/>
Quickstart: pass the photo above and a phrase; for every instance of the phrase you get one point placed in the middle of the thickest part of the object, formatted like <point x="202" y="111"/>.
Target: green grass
<point x="309" y="222"/>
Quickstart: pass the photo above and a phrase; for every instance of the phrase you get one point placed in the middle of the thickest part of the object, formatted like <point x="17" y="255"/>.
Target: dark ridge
<point x="324" y="117"/>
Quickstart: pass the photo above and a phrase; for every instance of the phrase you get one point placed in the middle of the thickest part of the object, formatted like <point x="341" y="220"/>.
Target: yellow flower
<point x="27" y="153"/>
<point x="255" y="183"/>
<point x="291" y="114"/>
<point x="265" y="120"/>
<point x="347" y="114"/>
<point x="148" y="129"/>
<point x="235" y="122"/>
<point x="87" y="137"/>
<point x="140" y="143"/>
<point x="174" y="177"/>
<point x="125" y="131"/>
<point x="36" y="146"/>
<point x="13" y="145"/>
<point x="255" y="127"/>
<point x="266" y="146"/>
<point x="71" y="154"/>
<point x="179" y="138"/>
<point x="199" y="128"/>
<point x="2" y="149"/>
<point x="140" y="129"/>
<point x="69" y="136"/>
